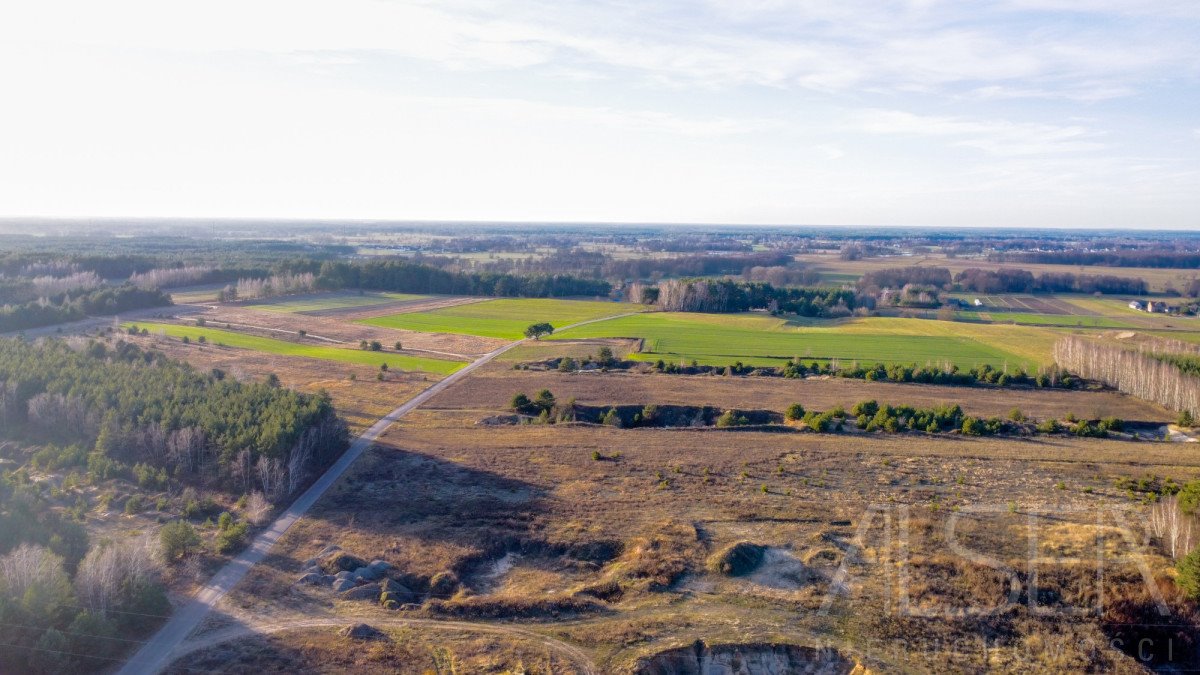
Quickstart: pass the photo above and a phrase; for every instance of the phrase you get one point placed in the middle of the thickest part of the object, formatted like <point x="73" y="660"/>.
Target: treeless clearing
<point x="504" y="318"/>
<point x="429" y="303"/>
<point x="342" y="329"/>
<point x="525" y="518"/>
<point x="319" y="303"/>
<point x="532" y="521"/>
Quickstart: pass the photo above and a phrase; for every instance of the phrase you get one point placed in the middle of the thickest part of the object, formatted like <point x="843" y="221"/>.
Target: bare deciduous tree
<point x="57" y="413"/>
<point x="48" y="286"/>
<point x="170" y="277"/>
<point x="28" y="567"/>
<point x="106" y="571"/>
<point x="279" y="284"/>
<point x="152" y="442"/>
<point x="1133" y="371"/>
<point x="186" y="447"/>
<point x="272" y="475"/>
<point x="1173" y="528"/>
<point x="257" y="508"/>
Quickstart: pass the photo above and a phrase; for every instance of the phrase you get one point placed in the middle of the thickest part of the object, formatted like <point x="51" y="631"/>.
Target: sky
<point x="983" y="113"/>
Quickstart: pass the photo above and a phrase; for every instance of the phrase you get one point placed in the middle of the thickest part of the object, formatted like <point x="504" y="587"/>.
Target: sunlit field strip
<point x="216" y="336"/>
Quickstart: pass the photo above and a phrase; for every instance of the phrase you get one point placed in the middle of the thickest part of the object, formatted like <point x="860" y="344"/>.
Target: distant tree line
<point x="898" y="277"/>
<point x="408" y="277"/>
<point x="99" y="302"/>
<point x="1022" y="281"/>
<point x="1003" y="280"/>
<point x="724" y="295"/>
<point x="1158" y="258"/>
<point x="691" y="265"/>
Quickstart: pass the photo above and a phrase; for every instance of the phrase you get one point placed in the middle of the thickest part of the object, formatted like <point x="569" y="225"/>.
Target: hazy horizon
<point x="7" y="223"/>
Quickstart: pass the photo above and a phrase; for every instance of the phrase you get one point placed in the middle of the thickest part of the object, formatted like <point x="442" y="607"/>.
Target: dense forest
<point x="109" y="410"/>
<point x="65" y="307"/>
<point x="122" y="416"/>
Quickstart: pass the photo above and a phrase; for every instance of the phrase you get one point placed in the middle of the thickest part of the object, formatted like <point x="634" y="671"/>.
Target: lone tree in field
<point x="605" y="358"/>
<point x="521" y="404"/>
<point x="537" y="330"/>
<point x="794" y="412"/>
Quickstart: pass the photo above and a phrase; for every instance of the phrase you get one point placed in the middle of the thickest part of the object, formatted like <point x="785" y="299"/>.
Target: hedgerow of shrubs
<point x="868" y="416"/>
<point x="950" y="374"/>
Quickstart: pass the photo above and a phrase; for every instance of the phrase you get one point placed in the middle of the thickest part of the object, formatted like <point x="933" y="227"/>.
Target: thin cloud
<point x="995" y="137"/>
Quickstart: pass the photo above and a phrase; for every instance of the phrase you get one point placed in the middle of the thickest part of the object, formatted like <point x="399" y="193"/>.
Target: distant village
<point x="1153" y="307"/>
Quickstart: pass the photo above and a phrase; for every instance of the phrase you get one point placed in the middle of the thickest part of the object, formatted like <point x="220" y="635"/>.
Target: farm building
<point x="1134" y="304"/>
<point x="978" y="302"/>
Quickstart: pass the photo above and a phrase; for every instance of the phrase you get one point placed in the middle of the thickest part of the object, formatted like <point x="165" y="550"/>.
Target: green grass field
<point x="216" y="336"/>
<point x="715" y="339"/>
<point x="313" y="303"/>
<point x="505" y="319"/>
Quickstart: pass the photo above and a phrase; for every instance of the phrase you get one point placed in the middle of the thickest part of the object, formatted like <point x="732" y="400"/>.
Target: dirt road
<point x="156" y="653"/>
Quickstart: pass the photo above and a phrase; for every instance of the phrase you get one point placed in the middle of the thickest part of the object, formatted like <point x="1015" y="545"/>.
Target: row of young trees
<point x="130" y="407"/>
<point x="171" y="277"/>
<point x="1143" y="373"/>
<point x="48" y="286"/>
<point x="272" y="286"/>
<point x="947" y="374"/>
<point x="868" y="416"/>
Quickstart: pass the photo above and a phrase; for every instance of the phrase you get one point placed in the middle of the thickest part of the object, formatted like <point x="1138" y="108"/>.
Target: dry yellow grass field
<point x="601" y="539"/>
<point x="578" y="548"/>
